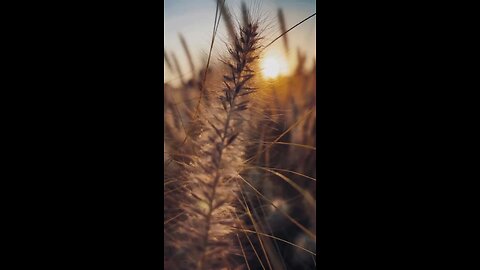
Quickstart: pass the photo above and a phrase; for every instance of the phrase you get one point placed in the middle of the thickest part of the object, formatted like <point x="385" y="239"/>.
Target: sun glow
<point x="273" y="66"/>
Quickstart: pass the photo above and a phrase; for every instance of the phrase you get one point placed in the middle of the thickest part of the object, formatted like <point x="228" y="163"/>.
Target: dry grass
<point x="240" y="172"/>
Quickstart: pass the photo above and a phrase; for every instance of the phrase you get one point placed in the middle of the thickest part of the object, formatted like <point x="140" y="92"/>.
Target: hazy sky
<point x="194" y="20"/>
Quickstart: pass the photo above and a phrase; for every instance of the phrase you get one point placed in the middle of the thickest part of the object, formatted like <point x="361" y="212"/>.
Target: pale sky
<point x="194" y="20"/>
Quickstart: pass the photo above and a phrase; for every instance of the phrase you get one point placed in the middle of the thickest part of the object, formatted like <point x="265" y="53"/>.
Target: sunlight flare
<point x="274" y="66"/>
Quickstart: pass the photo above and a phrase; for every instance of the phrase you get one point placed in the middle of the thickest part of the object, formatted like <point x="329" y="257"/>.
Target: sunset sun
<point x="273" y="66"/>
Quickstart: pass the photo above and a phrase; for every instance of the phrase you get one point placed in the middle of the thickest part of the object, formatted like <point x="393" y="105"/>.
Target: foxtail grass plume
<point x="227" y="18"/>
<point x="167" y="60"/>
<point x="206" y="238"/>
<point x="283" y="28"/>
<point x="187" y="53"/>
<point x="178" y="69"/>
